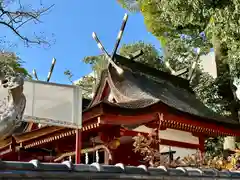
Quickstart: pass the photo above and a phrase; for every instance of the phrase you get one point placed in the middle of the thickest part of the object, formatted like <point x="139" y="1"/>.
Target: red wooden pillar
<point x="201" y="145"/>
<point x="160" y="118"/>
<point x="16" y="155"/>
<point x="78" y="146"/>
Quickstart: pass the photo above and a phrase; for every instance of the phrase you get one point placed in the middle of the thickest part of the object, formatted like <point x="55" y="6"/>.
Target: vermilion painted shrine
<point x="125" y="104"/>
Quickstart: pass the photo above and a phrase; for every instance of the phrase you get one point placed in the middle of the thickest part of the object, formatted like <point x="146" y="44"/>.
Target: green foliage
<point x="87" y="83"/>
<point x="150" y="55"/>
<point x="219" y="20"/>
<point x="147" y="146"/>
<point x="69" y="75"/>
<point x="11" y="64"/>
<point x="131" y="5"/>
<point x="204" y="24"/>
<point x="99" y="63"/>
<point x="214" y="146"/>
<point x="180" y="55"/>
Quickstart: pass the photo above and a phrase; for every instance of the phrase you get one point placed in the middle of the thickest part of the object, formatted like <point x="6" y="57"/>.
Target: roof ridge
<point x="141" y="68"/>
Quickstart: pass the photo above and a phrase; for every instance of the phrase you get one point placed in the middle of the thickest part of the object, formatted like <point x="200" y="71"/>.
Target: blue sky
<point x="72" y="25"/>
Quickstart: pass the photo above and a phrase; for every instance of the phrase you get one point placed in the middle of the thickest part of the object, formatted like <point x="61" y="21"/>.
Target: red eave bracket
<point x="170" y="121"/>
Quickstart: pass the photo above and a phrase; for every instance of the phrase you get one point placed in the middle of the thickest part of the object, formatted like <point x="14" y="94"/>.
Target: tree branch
<point x="14" y="20"/>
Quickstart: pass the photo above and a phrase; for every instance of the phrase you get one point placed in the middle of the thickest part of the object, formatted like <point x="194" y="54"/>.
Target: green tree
<point x="205" y="24"/>
<point x="98" y="63"/>
<point x="151" y="57"/>
<point x="11" y="64"/>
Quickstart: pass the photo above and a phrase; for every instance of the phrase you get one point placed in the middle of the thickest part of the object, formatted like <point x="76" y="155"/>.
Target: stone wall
<point x="36" y="170"/>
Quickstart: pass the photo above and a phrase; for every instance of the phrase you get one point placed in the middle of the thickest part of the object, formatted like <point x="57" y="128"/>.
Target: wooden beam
<point x="201" y="124"/>
<point x="127" y="120"/>
<point x="136" y="54"/>
<point x="6" y="151"/>
<point x="92" y="113"/>
<point x="179" y="144"/>
<point x="118" y="119"/>
<point x="5" y="143"/>
<point x="36" y="133"/>
<point x="181" y="72"/>
<point x="49" y="137"/>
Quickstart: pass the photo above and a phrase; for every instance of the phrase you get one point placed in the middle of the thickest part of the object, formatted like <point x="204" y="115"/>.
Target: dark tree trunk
<point x="227" y="89"/>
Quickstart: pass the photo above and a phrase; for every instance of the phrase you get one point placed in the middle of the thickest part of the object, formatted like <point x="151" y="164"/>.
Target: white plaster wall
<point x="171" y="134"/>
<point x="175" y="135"/>
<point x="180" y="152"/>
<point x="208" y="64"/>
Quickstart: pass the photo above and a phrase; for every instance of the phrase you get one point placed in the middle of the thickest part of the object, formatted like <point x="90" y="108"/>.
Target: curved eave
<point x="28" y="136"/>
<point x="51" y="133"/>
<point x="116" y="115"/>
<point x="134" y="90"/>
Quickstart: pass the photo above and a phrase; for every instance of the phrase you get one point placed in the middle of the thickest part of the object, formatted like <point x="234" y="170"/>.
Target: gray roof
<point x="141" y="86"/>
<point x="96" y="171"/>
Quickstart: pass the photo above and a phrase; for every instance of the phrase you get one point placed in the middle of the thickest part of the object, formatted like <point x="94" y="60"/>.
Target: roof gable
<point x="141" y="86"/>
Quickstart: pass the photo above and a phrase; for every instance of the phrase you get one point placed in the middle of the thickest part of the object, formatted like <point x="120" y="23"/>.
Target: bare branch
<point x="14" y="20"/>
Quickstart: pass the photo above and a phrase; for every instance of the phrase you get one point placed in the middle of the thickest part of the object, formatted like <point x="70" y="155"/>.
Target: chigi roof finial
<point x="34" y="72"/>
<point x="119" y="37"/>
<point x="194" y="65"/>
<point x="190" y="70"/>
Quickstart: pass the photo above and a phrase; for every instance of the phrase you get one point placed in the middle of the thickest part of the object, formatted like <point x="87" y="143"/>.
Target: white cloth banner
<point x="52" y="104"/>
